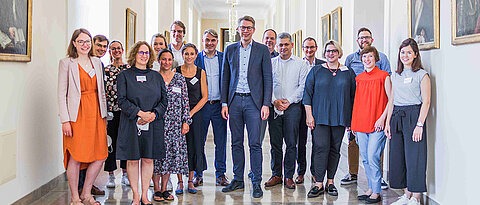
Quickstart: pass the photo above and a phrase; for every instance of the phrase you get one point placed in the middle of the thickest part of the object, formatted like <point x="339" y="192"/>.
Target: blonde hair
<point x="334" y="43"/>
<point x="132" y="54"/>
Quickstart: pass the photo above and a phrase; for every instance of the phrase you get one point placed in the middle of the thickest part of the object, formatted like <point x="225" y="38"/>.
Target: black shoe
<point x="257" y="191"/>
<point x="331" y="190"/>
<point x="315" y="192"/>
<point x="363" y="197"/>
<point x="373" y="201"/>
<point x="234" y="185"/>
<point x="349" y="179"/>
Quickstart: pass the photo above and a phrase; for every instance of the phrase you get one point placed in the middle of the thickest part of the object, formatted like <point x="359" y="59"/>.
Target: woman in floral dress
<point x="177" y="120"/>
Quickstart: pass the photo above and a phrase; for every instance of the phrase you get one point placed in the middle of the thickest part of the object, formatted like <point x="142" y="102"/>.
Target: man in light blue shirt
<point x="354" y="62"/>
<point x="289" y="74"/>
<point x="211" y="60"/>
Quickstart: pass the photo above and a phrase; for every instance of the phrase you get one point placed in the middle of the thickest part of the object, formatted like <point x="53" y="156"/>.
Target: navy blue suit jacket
<point x="201" y="64"/>
<point x="259" y="74"/>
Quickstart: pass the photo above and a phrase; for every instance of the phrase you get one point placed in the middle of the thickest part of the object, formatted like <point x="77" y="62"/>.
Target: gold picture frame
<point x="167" y="36"/>
<point x="16" y="38"/>
<point x="424" y="23"/>
<point x="131" y="29"/>
<point x="336" y="25"/>
<point x="297" y="43"/>
<point x="464" y="31"/>
<point x="325" y="21"/>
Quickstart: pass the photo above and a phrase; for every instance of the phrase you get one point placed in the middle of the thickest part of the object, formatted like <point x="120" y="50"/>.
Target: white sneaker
<point x="384" y="184"/>
<point x="111" y="181"/>
<point x="401" y="200"/>
<point x="125" y="180"/>
<point x="169" y="185"/>
<point x="413" y="201"/>
<point x="151" y="183"/>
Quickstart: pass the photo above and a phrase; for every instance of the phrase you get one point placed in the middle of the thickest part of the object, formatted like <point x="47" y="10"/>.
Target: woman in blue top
<point x="328" y="99"/>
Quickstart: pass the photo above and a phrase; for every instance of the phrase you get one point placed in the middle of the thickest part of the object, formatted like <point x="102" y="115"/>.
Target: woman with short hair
<point x="142" y="99"/>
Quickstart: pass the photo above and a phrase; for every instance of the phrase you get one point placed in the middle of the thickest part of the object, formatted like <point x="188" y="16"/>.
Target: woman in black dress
<point x="142" y="99"/>
<point x="198" y="96"/>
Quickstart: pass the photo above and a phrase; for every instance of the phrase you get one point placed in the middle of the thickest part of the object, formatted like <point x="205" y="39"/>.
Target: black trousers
<point x="196" y="144"/>
<point x="284" y="128"/>
<point x="408" y="159"/>
<point x="302" y="145"/>
<point x="326" y="146"/>
<point x="112" y="131"/>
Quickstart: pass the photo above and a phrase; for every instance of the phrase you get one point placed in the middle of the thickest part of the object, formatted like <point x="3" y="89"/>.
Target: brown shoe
<point x="222" y="181"/>
<point x="289" y="183"/>
<point x="197" y="181"/>
<point x="97" y="191"/>
<point x="274" y="180"/>
<point x="300" y="179"/>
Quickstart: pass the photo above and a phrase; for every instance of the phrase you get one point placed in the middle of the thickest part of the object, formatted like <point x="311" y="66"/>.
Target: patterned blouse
<point x="111" y="73"/>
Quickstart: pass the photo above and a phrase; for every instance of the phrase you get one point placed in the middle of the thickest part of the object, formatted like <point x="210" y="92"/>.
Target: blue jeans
<point x="371" y="147"/>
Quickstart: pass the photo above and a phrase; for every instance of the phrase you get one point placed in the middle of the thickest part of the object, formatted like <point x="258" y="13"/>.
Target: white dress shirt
<point x="289" y="78"/>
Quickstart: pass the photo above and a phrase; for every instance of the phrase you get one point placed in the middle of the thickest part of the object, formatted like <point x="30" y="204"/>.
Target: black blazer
<point x="259" y="74"/>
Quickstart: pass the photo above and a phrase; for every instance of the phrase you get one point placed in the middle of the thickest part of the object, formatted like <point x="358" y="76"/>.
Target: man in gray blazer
<point x="246" y="96"/>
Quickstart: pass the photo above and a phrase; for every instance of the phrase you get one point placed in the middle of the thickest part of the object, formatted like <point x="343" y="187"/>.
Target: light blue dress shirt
<point x="242" y="86"/>
<point x="213" y="76"/>
<point x="354" y="62"/>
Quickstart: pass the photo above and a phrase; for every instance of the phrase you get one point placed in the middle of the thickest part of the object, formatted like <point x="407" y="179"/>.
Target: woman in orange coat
<point x="83" y="111"/>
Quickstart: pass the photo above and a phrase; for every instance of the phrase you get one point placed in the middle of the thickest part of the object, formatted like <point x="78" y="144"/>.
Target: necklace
<point x="333" y="73"/>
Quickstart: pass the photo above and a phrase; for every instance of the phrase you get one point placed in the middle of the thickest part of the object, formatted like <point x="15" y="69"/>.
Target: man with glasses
<point x="210" y="60"/>
<point x="354" y="62"/>
<point x="177" y="32"/>
<point x="309" y="46"/>
<point x="246" y="96"/>
<point x="289" y="74"/>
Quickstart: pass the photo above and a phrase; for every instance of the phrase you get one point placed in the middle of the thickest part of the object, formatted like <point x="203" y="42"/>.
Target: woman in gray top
<point x="405" y="124"/>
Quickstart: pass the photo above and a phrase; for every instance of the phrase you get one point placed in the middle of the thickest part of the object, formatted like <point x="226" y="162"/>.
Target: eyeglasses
<point x="364" y="37"/>
<point x="246" y="28"/>
<point x="82" y="42"/>
<point x="143" y="53"/>
<point x="331" y="51"/>
<point x="114" y="49"/>
<point x="309" y="47"/>
<point x="176" y="31"/>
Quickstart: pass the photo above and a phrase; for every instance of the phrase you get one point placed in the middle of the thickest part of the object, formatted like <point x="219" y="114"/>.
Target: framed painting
<point x="16" y="30"/>
<point x="131" y="32"/>
<point x="167" y="36"/>
<point x="424" y="23"/>
<point x="297" y="43"/>
<point x="465" y="21"/>
<point x="336" y="28"/>
<point x="325" y="29"/>
<point x="225" y="32"/>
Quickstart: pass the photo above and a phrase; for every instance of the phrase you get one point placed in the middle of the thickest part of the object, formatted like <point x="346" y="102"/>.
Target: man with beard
<point x="354" y="62"/>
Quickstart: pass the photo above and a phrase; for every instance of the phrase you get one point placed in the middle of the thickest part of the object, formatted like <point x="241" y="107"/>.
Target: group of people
<point x="153" y="112"/>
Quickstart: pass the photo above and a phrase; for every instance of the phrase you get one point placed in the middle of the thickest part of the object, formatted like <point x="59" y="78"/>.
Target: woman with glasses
<point x="197" y="96"/>
<point x="405" y="126"/>
<point x="142" y="100"/>
<point x="177" y="120"/>
<point x="113" y="117"/>
<point x="328" y="100"/>
<point x="83" y="112"/>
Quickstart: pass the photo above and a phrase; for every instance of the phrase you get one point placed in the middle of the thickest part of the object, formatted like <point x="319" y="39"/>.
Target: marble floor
<point x="209" y="193"/>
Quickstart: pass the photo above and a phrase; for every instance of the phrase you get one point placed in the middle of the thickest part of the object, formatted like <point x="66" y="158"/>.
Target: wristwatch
<point x="419" y="124"/>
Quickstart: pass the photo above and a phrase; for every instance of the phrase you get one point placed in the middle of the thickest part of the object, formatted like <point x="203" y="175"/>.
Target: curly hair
<point x="132" y="54"/>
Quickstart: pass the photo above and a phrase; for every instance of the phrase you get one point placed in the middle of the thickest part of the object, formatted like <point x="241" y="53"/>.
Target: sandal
<point x="88" y="201"/>
<point x="179" y="189"/>
<point x="157" y="196"/>
<point x="193" y="190"/>
<point x="167" y="196"/>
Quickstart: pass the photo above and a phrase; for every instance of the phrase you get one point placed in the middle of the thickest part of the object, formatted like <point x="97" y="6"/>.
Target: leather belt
<point x="213" y="101"/>
<point x="243" y="94"/>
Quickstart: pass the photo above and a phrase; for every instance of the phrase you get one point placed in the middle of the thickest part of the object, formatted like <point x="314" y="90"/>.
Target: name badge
<point x="91" y="73"/>
<point x="141" y="78"/>
<point x="177" y="90"/>
<point x="194" y="80"/>
<point x="343" y="68"/>
<point x="407" y="80"/>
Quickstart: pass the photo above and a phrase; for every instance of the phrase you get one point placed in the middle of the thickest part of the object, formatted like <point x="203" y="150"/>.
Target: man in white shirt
<point x="177" y="32"/>
<point x="289" y="74"/>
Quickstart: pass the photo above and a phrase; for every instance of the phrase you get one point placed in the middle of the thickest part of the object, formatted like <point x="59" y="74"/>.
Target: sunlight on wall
<point x="151" y="18"/>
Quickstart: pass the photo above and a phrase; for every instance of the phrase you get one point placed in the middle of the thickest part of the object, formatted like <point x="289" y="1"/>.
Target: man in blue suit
<point x="246" y="98"/>
<point x="210" y="60"/>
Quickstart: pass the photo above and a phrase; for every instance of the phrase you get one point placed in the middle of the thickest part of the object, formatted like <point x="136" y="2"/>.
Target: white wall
<point x="29" y="103"/>
<point x="118" y="12"/>
<point x="452" y="137"/>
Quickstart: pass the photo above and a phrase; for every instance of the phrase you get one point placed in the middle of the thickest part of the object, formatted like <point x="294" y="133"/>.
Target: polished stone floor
<point x="209" y="193"/>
